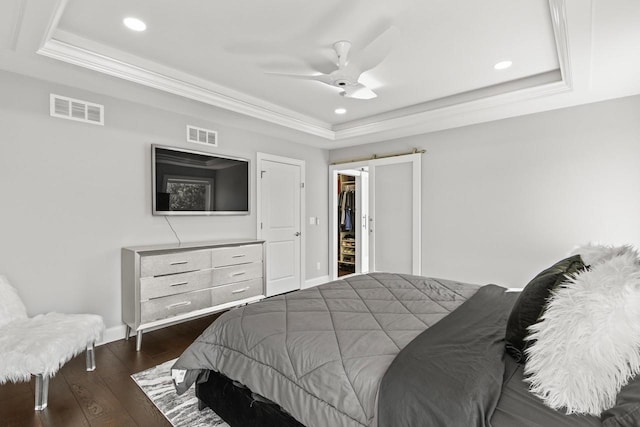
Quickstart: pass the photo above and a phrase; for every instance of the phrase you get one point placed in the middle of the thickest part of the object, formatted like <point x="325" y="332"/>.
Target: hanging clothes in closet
<point x="347" y="210"/>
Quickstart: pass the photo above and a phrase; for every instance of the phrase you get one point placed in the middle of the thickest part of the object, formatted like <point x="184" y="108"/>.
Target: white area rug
<point x="181" y="411"/>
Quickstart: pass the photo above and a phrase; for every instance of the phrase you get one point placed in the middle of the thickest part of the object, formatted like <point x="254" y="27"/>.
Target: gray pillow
<point x="531" y="302"/>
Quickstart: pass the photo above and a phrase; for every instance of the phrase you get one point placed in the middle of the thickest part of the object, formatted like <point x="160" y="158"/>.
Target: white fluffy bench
<point x="42" y="344"/>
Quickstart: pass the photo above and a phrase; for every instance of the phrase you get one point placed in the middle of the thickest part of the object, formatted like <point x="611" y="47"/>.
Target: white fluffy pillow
<point x="11" y="306"/>
<point x="587" y="344"/>
<point x="593" y="253"/>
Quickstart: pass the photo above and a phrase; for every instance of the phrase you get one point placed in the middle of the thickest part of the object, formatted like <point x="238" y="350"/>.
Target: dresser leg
<point x="139" y="340"/>
<point x="127" y="333"/>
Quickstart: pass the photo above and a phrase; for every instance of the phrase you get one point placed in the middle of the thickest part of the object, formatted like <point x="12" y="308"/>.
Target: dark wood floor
<point x="107" y="396"/>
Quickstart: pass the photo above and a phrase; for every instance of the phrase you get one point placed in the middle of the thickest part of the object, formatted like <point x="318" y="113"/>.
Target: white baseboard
<point x="113" y="333"/>
<point x="310" y="283"/>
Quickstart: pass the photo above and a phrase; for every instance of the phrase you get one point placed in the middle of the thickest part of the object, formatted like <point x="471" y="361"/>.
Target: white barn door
<point x="395" y="205"/>
<point x="280" y="212"/>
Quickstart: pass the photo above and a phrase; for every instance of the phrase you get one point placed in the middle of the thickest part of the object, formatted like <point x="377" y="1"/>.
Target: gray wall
<point x="73" y="194"/>
<point x="503" y="200"/>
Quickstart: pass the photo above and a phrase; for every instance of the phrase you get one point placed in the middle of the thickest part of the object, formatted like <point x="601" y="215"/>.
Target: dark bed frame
<point x="238" y="406"/>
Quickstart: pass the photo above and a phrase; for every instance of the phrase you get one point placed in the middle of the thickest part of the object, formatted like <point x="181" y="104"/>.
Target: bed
<point x="380" y="350"/>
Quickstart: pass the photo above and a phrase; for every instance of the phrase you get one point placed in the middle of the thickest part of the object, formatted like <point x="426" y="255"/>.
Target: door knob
<point x="297" y="233"/>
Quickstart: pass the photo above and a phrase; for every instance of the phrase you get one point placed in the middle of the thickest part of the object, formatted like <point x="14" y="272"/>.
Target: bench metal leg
<point x="91" y="357"/>
<point x="42" y="391"/>
<point x="42" y="381"/>
<point x="139" y="340"/>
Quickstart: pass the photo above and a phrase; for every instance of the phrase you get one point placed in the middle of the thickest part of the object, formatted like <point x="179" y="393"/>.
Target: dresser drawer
<point x="236" y="291"/>
<point x="237" y="273"/>
<point x="175" y="262"/>
<point x="162" y="308"/>
<point x="236" y="255"/>
<point x="154" y="287"/>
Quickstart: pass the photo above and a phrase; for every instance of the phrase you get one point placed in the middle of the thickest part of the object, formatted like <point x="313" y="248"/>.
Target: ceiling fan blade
<point x="324" y="63"/>
<point x="321" y="62"/>
<point x="358" y="91"/>
<point x="323" y="78"/>
<point x="376" y="51"/>
<point x="291" y="65"/>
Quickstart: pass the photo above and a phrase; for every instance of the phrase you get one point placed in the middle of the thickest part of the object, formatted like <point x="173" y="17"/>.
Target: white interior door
<point x="280" y="200"/>
<point x="394" y="208"/>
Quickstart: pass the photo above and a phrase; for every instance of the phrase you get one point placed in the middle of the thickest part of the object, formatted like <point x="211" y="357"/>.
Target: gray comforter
<point x="321" y="353"/>
<point x="457" y="374"/>
<point x="451" y="374"/>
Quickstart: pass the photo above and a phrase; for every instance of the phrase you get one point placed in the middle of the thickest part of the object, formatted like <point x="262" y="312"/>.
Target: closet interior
<point x="346" y="225"/>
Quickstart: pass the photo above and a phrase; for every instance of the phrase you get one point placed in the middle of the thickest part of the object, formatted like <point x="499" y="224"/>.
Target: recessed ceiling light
<point x="502" y="65"/>
<point x="340" y="110"/>
<point x="135" y="24"/>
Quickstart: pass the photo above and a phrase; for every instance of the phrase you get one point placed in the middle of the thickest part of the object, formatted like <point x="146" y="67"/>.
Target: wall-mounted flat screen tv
<point x="187" y="182"/>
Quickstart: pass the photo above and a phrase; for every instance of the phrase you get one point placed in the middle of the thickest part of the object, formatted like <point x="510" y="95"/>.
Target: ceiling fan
<point x="346" y="76"/>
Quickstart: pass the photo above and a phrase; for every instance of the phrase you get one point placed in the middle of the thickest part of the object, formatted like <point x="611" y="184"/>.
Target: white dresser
<point x="166" y="284"/>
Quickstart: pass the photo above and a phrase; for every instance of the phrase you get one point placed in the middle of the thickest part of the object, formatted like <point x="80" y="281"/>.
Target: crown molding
<point x="182" y="86"/>
<point x="413" y="117"/>
<point x="467" y="108"/>
<point x="489" y="97"/>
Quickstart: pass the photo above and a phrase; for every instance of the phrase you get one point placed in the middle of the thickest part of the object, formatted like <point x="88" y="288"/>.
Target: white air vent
<point x="76" y="109"/>
<point x="202" y="136"/>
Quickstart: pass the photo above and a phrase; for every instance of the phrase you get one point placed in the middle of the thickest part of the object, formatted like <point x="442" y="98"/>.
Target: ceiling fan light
<point x="358" y="91"/>
<point x="503" y="65"/>
<point x="134" y="24"/>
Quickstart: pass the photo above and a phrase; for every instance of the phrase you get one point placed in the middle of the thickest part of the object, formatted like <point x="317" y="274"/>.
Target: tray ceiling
<point x="437" y="71"/>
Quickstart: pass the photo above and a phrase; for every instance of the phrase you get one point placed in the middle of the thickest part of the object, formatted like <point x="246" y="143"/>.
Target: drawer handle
<point x="240" y="273"/>
<point x="179" y="262"/>
<point x="239" y="291"/>
<point x="239" y="256"/>
<point x="179" y="284"/>
<point x="178" y="304"/>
